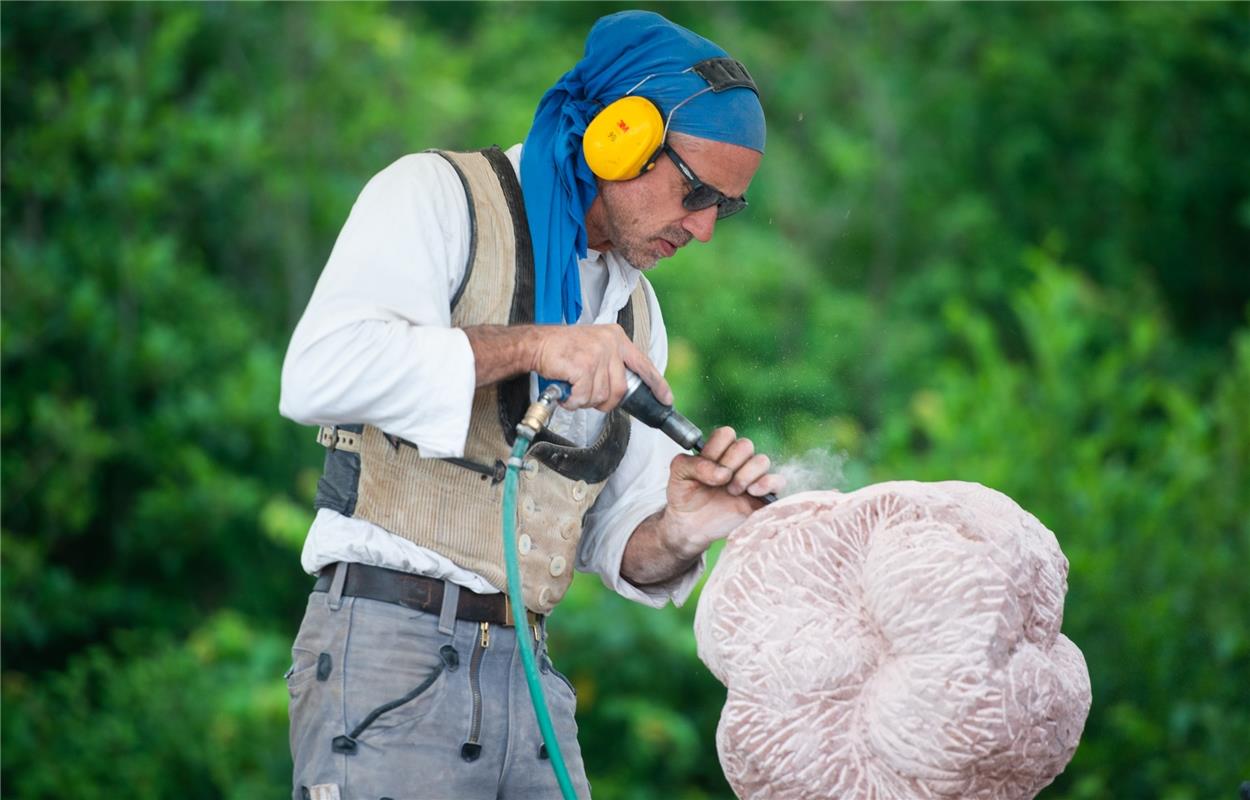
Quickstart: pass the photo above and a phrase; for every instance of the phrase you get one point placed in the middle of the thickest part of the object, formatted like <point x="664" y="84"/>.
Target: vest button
<point x="579" y="491"/>
<point x="544" y="598"/>
<point x="524" y="543"/>
<point x="557" y="566"/>
<point x="528" y="505"/>
<point x="568" y="528"/>
<point x="530" y="469"/>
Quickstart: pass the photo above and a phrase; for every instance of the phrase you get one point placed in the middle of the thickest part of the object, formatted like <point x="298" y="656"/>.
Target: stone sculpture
<point x="899" y="642"/>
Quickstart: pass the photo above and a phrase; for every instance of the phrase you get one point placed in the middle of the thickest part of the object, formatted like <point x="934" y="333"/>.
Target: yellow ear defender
<point x="623" y="139"/>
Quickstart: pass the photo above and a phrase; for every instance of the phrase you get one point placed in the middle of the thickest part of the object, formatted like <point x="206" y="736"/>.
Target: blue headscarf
<point x="621" y="50"/>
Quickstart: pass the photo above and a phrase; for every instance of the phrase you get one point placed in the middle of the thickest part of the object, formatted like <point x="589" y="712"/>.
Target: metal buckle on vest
<point x="331" y="438"/>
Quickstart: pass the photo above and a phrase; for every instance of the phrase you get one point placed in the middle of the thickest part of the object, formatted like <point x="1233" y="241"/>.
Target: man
<point x="448" y="293"/>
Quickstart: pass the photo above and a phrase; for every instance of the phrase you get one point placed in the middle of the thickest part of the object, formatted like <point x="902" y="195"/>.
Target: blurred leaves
<point x="160" y="718"/>
<point x="1004" y="244"/>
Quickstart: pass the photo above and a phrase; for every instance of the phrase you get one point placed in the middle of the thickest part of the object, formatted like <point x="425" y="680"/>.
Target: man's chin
<point x="643" y="260"/>
<point x="659" y="250"/>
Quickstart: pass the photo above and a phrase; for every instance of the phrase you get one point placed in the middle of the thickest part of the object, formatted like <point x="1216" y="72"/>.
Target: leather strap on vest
<point x="592" y="464"/>
<point x="336" y="438"/>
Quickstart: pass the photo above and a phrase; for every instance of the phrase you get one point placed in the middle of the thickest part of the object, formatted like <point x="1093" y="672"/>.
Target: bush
<point x="156" y="717"/>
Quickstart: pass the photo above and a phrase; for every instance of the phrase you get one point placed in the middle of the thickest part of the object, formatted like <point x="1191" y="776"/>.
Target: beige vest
<point x="454" y="506"/>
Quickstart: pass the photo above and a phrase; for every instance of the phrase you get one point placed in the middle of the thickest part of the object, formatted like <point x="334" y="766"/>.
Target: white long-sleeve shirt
<point x="376" y="346"/>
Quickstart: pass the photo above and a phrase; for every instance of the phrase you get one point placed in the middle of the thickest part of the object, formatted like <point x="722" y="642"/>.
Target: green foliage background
<point x="1005" y="244"/>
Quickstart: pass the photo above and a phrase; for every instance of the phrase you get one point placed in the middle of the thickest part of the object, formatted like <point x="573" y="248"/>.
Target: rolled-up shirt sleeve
<point x="375" y="344"/>
<point x="634" y="492"/>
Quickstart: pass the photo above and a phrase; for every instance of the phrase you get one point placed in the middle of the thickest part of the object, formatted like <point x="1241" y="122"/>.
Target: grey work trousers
<point x="389" y="702"/>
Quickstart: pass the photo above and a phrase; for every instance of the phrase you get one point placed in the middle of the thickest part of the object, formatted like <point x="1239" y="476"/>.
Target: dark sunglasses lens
<point x="731" y="206"/>
<point x="701" y="197"/>
<point x="704" y="196"/>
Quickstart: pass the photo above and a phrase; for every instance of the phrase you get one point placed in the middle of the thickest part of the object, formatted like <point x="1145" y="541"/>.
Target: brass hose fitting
<point x="539" y="413"/>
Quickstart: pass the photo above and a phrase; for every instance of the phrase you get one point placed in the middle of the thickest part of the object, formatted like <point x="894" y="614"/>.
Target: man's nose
<point x="701" y="224"/>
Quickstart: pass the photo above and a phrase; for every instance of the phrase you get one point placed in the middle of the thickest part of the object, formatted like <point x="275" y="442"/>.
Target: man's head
<point x="715" y="130"/>
<point x="645" y="219"/>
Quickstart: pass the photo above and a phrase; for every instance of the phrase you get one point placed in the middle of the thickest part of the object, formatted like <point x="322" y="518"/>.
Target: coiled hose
<point x="518" y="602"/>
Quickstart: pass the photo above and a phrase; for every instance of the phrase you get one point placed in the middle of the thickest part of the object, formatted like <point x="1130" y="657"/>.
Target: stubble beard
<point x="641" y="250"/>
<point x="630" y="243"/>
<point x="640" y="258"/>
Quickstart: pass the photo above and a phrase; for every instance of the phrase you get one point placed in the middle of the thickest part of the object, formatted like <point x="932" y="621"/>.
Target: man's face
<point x="643" y="219"/>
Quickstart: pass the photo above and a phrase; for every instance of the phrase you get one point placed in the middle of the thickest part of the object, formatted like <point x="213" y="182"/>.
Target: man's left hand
<point x="714" y="492"/>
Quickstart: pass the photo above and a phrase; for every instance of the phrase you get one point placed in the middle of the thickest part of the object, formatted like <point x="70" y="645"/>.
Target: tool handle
<point x="642" y="404"/>
<point x="565" y="387"/>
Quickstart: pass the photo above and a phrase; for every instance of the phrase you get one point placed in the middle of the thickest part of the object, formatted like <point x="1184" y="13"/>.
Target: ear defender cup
<point x="621" y="142"/>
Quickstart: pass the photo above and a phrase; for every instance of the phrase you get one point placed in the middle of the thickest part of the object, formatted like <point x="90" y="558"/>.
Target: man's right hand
<point x="592" y="358"/>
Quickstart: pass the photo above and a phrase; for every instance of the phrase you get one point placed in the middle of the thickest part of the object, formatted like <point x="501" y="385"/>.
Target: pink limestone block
<point x="899" y="642"/>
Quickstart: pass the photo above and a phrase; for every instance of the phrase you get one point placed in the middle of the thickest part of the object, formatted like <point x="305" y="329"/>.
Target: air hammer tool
<point x="641" y="404"/>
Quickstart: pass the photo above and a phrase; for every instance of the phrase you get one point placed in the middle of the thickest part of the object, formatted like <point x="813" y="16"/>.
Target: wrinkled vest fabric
<point x="454" y="506"/>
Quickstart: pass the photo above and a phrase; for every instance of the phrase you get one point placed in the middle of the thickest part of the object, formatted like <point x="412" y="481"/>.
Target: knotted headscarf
<point x="621" y="50"/>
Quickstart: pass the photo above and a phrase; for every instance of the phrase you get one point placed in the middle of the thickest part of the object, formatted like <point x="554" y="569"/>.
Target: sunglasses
<point x="703" y="195"/>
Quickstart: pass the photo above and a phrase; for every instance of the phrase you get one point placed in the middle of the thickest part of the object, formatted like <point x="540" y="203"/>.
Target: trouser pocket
<point x="392" y="670"/>
<point x="547" y="668"/>
<point x="357" y="709"/>
<point x="347" y="743"/>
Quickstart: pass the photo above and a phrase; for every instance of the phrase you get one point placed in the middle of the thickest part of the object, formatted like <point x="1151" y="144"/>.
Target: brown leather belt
<point x="420" y="593"/>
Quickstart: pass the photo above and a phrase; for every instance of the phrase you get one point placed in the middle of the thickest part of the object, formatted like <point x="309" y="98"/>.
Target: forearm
<point x="502" y="351"/>
<point x="654" y="554"/>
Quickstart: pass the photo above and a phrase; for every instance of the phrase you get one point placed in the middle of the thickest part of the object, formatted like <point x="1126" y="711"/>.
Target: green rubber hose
<point x="518" y="603"/>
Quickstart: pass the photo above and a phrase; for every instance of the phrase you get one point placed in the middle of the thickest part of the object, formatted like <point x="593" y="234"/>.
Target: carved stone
<point x="899" y="642"/>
